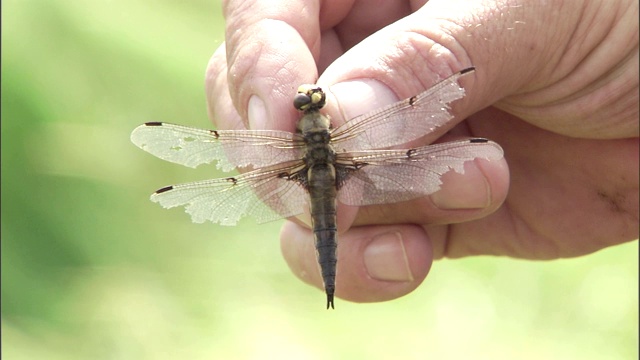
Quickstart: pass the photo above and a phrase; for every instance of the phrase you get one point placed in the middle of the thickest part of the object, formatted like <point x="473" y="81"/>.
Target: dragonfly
<point x="285" y="174"/>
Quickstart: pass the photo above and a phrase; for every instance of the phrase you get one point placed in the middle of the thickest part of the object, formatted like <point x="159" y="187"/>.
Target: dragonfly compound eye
<point x="301" y="101"/>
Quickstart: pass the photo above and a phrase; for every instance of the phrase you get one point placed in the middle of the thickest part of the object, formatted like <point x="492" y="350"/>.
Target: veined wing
<point x="231" y="148"/>
<point x="265" y="194"/>
<point x="402" y="121"/>
<point x="389" y="176"/>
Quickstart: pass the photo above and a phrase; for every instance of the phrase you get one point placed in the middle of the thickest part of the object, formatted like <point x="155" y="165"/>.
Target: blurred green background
<point x="91" y="269"/>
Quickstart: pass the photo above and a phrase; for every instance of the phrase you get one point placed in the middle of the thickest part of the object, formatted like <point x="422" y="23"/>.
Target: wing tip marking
<point x="467" y="70"/>
<point x="164" y="189"/>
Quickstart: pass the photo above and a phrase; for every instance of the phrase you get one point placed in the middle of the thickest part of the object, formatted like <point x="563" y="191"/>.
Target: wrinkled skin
<point x="556" y="86"/>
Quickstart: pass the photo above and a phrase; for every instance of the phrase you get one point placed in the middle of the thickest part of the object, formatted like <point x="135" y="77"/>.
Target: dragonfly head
<point x="309" y="98"/>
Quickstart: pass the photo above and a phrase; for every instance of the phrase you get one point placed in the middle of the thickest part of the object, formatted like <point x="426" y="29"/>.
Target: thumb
<point x="515" y="50"/>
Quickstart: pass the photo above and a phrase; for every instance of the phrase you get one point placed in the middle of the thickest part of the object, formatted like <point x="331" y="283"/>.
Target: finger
<point x="271" y="48"/>
<point x="411" y="55"/>
<point x="567" y="197"/>
<point x="375" y="263"/>
<point x="476" y="193"/>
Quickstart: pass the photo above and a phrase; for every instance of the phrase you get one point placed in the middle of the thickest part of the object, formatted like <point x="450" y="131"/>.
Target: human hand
<point x="557" y="87"/>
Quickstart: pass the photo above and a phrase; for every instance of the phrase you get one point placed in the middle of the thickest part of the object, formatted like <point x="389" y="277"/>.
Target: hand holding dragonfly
<point x="559" y="95"/>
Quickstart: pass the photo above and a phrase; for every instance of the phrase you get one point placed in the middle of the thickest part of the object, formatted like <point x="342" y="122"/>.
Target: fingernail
<point x="257" y="113"/>
<point x="463" y="191"/>
<point x="359" y="96"/>
<point x="386" y="259"/>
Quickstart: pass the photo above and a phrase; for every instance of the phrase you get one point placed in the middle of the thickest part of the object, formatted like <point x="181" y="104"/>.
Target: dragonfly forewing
<point x="403" y="121"/>
<point x="230" y="148"/>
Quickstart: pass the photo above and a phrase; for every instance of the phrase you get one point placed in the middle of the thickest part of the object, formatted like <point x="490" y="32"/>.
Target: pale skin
<point x="556" y="86"/>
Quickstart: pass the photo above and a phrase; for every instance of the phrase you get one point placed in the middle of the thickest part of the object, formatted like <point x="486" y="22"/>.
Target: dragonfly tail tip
<point x="330" y="301"/>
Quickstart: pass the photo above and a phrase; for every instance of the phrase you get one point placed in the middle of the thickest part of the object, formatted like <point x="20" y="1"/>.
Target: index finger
<point x="271" y="46"/>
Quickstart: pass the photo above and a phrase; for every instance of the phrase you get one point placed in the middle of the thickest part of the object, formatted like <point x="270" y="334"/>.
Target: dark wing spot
<point x="232" y="180"/>
<point x="343" y="172"/>
<point x="153" y="123"/>
<point x="164" y="189"/>
<point x="478" y="140"/>
<point x="214" y="133"/>
<point x="411" y="153"/>
<point x="467" y="70"/>
<point x="412" y="100"/>
<point x="300" y="177"/>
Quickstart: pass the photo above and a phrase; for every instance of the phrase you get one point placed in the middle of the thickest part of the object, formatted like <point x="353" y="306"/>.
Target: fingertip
<point x="267" y="70"/>
<point x="483" y="186"/>
<point x="498" y="179"/>
<point x="382" y="262"/>
<point x="356" y="97"/>
<point x="386" y="259"/>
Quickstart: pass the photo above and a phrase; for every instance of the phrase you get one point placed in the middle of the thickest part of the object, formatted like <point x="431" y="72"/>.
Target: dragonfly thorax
<point x="313" y="122"/>
<point x="318" y="148"/>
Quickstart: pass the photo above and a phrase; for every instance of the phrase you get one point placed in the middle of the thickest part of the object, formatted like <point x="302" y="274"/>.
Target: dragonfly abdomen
<point x="322" y="192"/>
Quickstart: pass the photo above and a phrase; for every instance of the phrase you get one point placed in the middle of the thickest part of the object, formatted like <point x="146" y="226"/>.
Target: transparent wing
<point x="390" y="176"/>
<point x="264" y="194"/>
<point x="231" y="148"/>
<point x="403" y="121"/>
